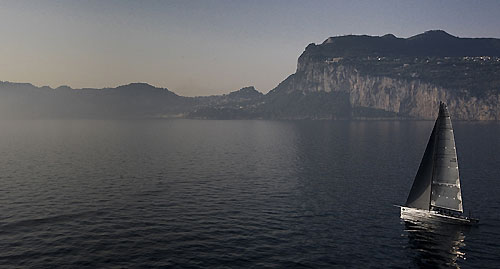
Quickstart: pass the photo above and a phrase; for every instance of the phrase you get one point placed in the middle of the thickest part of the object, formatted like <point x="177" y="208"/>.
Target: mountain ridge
<point x="345" y="77"/>
<point x="429" y="43"/>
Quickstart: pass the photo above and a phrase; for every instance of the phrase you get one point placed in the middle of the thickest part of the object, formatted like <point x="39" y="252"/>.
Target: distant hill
<point x="245" y="93"/>
<point x="238" y="104"/>
<point x="345" y="77"/>
<point x="136" y="100"/>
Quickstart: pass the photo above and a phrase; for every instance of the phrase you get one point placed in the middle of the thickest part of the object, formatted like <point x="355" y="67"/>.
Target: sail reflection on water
<point x="435" y="244"/>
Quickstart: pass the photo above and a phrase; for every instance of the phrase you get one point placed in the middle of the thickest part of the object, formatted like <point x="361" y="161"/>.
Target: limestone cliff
<point x="406" y="98"/>
<point x="384" y="73"/>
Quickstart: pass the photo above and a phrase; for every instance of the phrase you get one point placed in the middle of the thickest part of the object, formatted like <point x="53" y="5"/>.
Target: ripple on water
<point x="232" y="194"/>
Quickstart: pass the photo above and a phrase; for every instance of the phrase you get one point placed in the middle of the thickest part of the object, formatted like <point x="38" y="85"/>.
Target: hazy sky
<point x="203" y="47"/>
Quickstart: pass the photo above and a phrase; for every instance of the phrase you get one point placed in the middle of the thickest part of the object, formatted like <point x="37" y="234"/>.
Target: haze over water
<point x="188" y="193"/>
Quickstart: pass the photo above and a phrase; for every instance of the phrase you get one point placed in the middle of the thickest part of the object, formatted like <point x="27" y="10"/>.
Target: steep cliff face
<point x="405" y="84"/>
<point x="406" y="98"/>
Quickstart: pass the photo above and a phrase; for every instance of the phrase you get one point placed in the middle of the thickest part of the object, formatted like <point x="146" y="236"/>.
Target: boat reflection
<point x="435" y="244"/>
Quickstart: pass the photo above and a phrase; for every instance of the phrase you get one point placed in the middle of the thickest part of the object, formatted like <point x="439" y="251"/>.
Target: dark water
<point x="183" y="193"/>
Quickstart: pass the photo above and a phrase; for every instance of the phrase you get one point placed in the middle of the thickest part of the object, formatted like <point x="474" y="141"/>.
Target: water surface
<point x="187" y="193"/>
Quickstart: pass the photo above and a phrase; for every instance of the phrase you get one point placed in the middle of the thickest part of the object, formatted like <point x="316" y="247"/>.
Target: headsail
<point x="420" y="193"/>
<point x="445" y="187"/>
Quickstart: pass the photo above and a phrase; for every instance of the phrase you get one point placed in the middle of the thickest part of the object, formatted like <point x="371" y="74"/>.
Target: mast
<point x="445" y="187"/>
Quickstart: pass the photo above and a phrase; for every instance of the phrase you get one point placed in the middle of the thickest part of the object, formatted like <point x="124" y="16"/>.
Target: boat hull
<point x="420" y="215"/>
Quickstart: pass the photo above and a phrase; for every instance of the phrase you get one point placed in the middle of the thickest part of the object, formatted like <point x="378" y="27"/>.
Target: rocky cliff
<point x="386" y="74"/>
<point x="404" y="98"/>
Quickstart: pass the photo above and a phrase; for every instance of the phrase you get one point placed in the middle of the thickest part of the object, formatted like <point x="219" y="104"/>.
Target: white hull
<point x="413" y="214"/>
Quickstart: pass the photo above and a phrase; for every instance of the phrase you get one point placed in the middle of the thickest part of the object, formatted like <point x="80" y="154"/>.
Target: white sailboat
<point x="436" y="193"/>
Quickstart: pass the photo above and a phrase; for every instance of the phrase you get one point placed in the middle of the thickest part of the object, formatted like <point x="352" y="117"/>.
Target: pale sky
<point x="203" y="47"/>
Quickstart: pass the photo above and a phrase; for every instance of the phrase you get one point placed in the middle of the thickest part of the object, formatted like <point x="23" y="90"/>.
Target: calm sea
<point x="235" y="194"/>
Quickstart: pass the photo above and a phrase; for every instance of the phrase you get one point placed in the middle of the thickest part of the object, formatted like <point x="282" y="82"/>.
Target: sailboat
<point x="435" y="193"/>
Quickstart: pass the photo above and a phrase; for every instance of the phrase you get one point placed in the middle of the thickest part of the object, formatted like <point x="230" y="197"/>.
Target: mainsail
<point x="445" y="179"/>
<point x="437" y="182"/>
